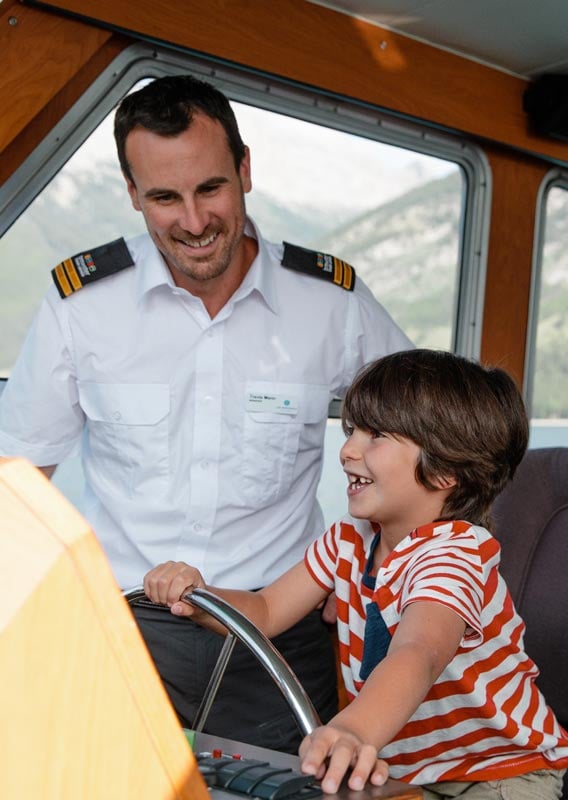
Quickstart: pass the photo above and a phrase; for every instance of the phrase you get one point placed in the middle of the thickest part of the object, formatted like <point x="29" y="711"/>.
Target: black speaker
<point x="546" y="103"/>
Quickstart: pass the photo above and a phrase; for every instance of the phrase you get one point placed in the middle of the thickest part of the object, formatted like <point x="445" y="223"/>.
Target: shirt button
<point x="205" y="464"/>
<point x="196" y="527"/>
<point x="117" y="415"/>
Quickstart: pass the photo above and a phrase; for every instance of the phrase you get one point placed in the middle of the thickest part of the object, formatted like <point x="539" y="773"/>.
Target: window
<point x="404" y="205"/>
<point x="547" y="368"/>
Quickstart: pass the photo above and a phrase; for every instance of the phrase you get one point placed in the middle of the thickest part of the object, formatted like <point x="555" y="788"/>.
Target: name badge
<point x="272" y="403"/>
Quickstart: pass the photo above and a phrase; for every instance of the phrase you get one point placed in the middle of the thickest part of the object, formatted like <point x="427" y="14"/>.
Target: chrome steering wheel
<point x="260" y="646"/>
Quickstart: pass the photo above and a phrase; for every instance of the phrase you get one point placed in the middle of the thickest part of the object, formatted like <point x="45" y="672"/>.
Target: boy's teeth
<point x="358" y="479"/>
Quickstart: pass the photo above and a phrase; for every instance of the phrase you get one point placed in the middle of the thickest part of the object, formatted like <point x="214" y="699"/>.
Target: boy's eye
<point x="376" y="434"/>
<point x="348" y="429"/>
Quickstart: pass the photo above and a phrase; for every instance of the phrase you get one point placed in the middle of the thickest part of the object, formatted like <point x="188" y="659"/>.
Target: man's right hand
<point x="168" y="583"/>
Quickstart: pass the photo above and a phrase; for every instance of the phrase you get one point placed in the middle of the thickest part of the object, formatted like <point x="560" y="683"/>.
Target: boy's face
<point x="382" y="483"/>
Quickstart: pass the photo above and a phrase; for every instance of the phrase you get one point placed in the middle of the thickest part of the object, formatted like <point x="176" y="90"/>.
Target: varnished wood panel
<point x="516" y="181"/>
<point x="84" y="714"/>
<point x="45" y="117"/>
<point x="47" y="63"/>
<point x="318" y="46"/>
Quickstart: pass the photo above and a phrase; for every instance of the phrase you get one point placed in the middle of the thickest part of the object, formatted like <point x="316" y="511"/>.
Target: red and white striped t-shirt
<point x="484" y="717"/>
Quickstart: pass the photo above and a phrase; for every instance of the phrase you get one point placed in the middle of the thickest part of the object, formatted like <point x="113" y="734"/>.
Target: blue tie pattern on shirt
<point x="376" y="642"/>
<point x="377" y="638"/>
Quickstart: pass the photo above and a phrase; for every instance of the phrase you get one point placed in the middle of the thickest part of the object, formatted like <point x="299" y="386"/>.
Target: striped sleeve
<point x="321" y="558"/>
<point x="451" y="572"/>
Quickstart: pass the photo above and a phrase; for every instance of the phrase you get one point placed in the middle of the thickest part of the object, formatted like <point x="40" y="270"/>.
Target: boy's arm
<point x="426" y="640"/>
<point x="273" y="609"/>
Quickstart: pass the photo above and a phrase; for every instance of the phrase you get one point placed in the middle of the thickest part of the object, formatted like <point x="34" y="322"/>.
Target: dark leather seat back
<point x="531" y="523"/>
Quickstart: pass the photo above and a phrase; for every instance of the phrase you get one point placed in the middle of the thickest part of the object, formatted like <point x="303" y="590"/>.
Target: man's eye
<point x="210" y="188"/>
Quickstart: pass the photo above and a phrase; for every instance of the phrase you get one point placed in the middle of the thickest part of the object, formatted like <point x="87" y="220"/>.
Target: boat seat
<point x="530" y="521"/>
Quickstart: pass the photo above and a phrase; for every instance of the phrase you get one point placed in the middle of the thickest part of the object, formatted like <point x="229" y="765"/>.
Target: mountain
<point x="406" y="251"/>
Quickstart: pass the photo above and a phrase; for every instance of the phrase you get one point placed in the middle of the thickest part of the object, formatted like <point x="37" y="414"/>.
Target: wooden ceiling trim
<point x="42" y="54"/>
<point x="344" y="55"/>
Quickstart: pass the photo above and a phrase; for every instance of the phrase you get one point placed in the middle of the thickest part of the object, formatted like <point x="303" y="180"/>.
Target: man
<point x="195" y="373"/>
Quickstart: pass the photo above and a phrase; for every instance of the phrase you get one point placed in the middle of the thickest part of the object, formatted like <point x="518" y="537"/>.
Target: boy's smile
<point x="356" y="483"/>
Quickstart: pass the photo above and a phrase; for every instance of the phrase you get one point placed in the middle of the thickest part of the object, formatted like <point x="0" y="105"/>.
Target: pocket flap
<point x="125" y="403"/>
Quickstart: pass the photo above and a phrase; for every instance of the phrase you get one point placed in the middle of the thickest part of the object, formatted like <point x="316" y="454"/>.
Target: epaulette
<point x="320" y="265"/>
<point x="77" y="271"/>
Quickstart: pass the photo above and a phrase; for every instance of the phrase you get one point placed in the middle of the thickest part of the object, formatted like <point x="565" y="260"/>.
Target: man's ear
<point x="132" y="192"/>
<point x="245" y="173"/>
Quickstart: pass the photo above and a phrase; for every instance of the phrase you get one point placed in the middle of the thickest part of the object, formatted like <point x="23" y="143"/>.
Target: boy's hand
<point x="344" y="750"/>
<point x="167" y="583"/>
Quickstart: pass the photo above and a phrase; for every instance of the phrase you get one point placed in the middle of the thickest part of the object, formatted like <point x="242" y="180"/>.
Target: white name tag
<point x="272" y="403"/>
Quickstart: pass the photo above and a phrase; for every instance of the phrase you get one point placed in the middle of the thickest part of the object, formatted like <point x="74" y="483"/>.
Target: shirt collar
<point x="154" y="272"/>
<point x="260" y="277"/>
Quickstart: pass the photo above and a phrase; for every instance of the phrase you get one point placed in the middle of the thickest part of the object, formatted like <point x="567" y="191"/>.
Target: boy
<point x="430" y="643"/>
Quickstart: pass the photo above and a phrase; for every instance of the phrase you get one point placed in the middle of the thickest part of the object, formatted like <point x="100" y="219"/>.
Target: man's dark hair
<point x="166" y="106"/>
<point x="468" y="420"/>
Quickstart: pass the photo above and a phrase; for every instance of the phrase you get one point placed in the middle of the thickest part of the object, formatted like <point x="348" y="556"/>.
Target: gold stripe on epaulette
<point x="62" y="280"/>
<point x="348" y="276"/>
<point x="337" y="271"/>
<point x="69" y="268"/>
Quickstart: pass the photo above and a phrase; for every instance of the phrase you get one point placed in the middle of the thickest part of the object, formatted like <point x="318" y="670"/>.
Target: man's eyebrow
<point x="214" y="181"/>
<point x="158" y="191"/>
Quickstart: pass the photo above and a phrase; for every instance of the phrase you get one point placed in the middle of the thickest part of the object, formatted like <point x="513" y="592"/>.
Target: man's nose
<point x="193" y="217"/>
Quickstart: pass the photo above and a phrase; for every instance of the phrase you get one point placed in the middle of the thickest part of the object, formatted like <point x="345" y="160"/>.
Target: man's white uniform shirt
<point x="201" y="438"/>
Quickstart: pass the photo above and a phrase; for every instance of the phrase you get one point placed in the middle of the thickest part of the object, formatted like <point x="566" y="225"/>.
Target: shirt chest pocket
<point x="127" y="430"/>
<point x="284" y="422"/>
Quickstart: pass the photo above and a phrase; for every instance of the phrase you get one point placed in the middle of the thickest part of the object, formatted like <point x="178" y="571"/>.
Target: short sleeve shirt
<point x="484" y="718"/>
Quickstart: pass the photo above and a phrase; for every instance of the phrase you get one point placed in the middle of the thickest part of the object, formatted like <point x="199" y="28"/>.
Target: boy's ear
<point x="445" y="481"/>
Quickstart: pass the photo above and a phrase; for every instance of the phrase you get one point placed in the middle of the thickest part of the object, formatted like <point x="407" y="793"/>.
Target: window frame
<point x="555" y="178"/>
<point x="278" y="95"/>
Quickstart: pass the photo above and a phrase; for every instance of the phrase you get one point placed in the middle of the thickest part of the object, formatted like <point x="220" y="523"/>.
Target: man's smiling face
<point x="192" y="198"/>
